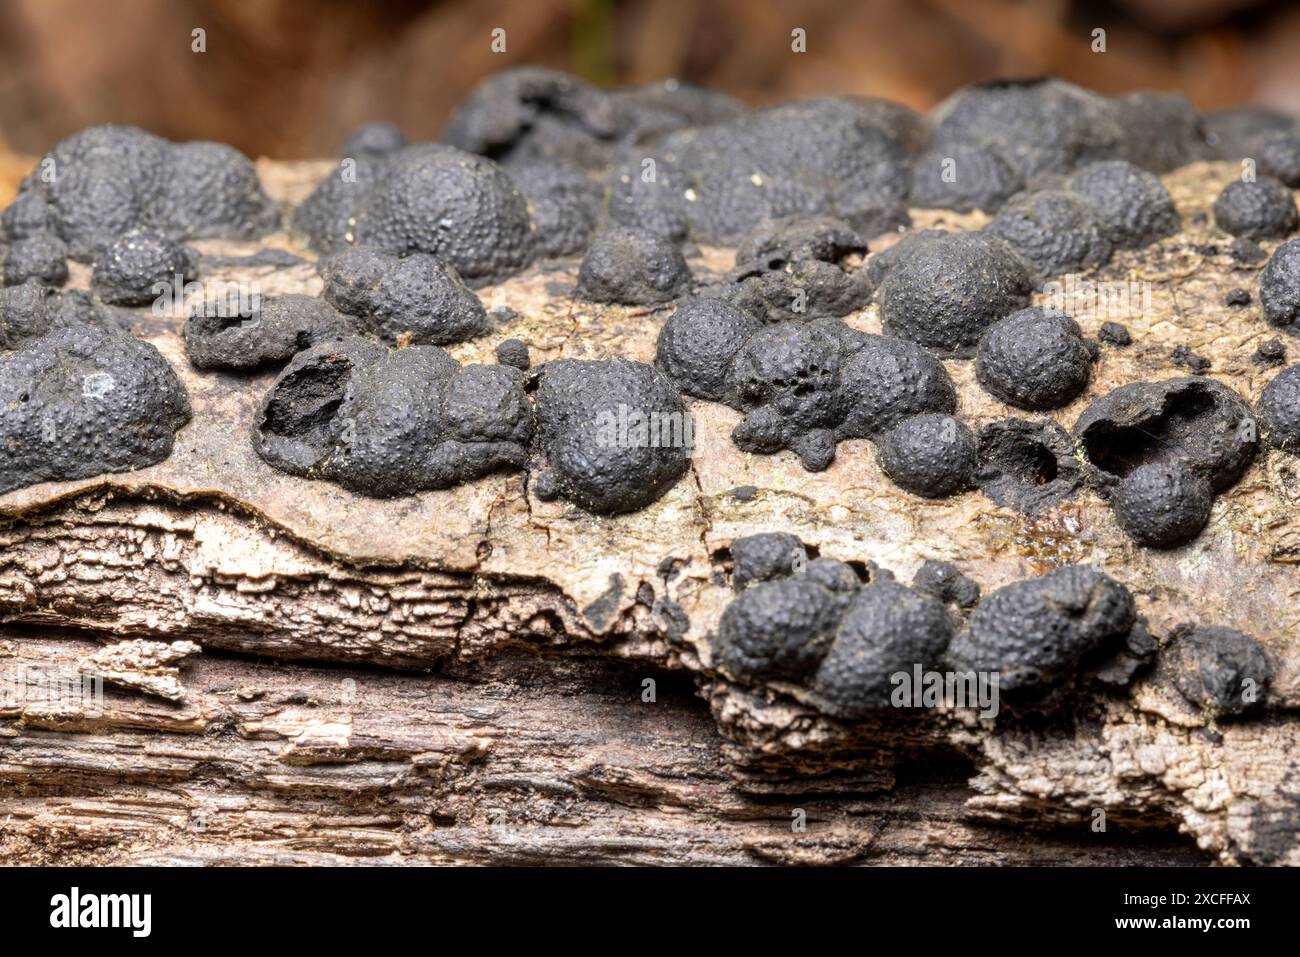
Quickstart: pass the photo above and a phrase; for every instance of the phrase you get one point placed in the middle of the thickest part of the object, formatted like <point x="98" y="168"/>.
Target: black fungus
<point x="1279" y="287"/>
<point x="697" y="342"/>
<point x="42" y="257"/>
<point x="1197" y="429"/>
<point x="632" y="268"/>
<point x="944" y="581"/>
<point x="1133" y="206"/>
<point x="1027" y="466"/>
<point x="949" y="289"/>
<point x="1038" y="632"/>
<point x="1194" y="422"/>
<point x="1246" y="252"/>
<point x="82" y="400"/>
<point x="415" y="299"/>
<point x="817" y="156"/>
<point x="1162" y="505"/>
<point x="878" y="264"/>
<point x="386" y="422"/>
<point x="614" y="435"/>
<point x="799" y="267"/>
<point x="1233" y="133"/>
<point x="1271" y="352"/>
<point x="1185" y="357"/>
<point x="1038" y="125"/>
<point x="31" y="310"/>
<point x="930" y="455"/>
<point x="513" y="352"/>
<point x="139" y="266"/>
<point x="963" y="177"/>
<point x="762" y="557"/>
<point x="425" y="198"/>
<point x="1278" y="155"/>
<point x="780" y="629"/>
<point x="1260" y="209"/>
<point x="1219" y="670"/>
<point x="886" y="629"/>
<point x="1162" y="131"/>
<point x="1054" y="232"/>
<point x="1114" y="334"/>
<point x="373" y="140"/>
<point x="564" y="203"/>
<point x="274" y="331"/>
<point x="1034" y="359"/>
<point x="1279" y="410"/>
<point x="805" y="386"/>
<point x="1237" y="297"/>
<point x="528" y="113"/>
<point x="107" y="180"/>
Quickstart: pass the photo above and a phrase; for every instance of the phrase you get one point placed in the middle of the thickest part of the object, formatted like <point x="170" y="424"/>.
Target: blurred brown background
<point x="289" y="78"/>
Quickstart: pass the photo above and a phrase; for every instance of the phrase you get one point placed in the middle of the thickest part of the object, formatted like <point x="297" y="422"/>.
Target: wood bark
<point x="294" y="673"/>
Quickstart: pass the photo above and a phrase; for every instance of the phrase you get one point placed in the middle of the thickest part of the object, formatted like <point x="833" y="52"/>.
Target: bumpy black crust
<point x="42" y="257"/>
<point x="1193" y="422"/>
<point x="1279" y="410"/>
<point x="930" y="455"/>
<point x="1278" y="155"/>
<point x="1039" y="631"/>
<point x="108" y="180"/>
<point x="588" y="456"/>
<point x="949" y="289"/>
<point x="1039" y="125"/>
<point x="417" y="299"/>
<point x="564" y="203"/>
<point x="82" y="400"/>
<point x="697" y="342"/>
<point x="1053" y="231"/>
<point x="802" y="386"/>
<point x="426" y="198"/>
<point x="779" y="630"/>
<point x="1262" y="209"/>
<point x="798" y="267"/>
<point x="1279" y="287"/>
<point x="735" y="174"/>
<point x="762" y="557"/>
<point x="1162" y="505"/>
<point x="277" y="330"/>
<point x="1034" y="359"/>
<point x="976" y="178"/>
<point x="373" y="140"/>
<point x="1233" y="133"/>
<point x="387" y="422"/>
<point x="633" y="268"/>
<point x="815" y="624"/>
<point x="1197" y="430"/>
<point x="1219" y="669"/>
<point x="1132" y="205"/>
<point x="944" y="581"/>
<point x="1114" y="334"/>
<point x="128" y="269"/>
<point x="532" y="112"/>
<point x="514" y="352"/>
<point x="886" y="629"/>
<point x="1162" y="131"/>
<point x="31" y="310"/>
<point x="1027" y="466"/>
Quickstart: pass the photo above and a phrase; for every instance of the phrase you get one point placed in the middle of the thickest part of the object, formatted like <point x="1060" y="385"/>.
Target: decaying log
<point x="498" y="645"/>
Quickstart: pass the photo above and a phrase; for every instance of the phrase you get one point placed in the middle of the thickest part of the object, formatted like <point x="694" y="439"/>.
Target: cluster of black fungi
<point x="537" y="164"/>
